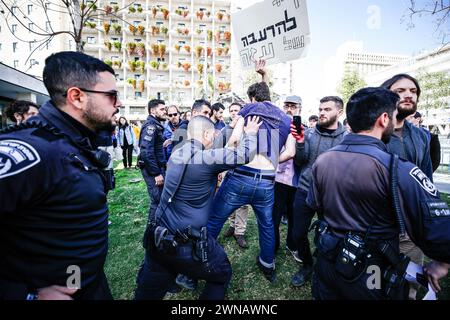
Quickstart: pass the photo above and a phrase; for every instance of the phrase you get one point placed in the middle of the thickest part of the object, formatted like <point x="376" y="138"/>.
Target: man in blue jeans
<point x="253" y="184"/>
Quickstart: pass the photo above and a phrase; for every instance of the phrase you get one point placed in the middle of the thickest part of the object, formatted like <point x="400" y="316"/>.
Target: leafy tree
<point x="351" y="82"/>
<point x="438" y="9"/>
<point x="78" y="12"/>
<point x="435" y="90"/>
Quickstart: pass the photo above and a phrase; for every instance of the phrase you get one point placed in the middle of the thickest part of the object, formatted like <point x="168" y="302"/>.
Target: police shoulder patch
<point x="424" y="181"/>
<point x="16" y="156"/>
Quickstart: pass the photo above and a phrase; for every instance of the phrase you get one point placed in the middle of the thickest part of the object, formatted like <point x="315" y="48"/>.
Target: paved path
<point x="442" y="182"/>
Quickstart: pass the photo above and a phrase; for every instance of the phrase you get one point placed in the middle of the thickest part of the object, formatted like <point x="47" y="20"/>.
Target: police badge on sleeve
<point x="15" y="157"/>
<point x="424" y="181"/>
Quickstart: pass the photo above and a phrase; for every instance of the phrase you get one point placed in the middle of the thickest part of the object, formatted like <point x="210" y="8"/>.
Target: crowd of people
<point x="368" y="180"/>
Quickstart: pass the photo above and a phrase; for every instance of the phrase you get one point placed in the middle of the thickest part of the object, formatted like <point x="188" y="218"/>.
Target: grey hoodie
<point x="315" y="144"/>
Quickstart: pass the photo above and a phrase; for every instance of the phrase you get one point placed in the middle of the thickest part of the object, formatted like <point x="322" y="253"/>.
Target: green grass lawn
<point x="128" y="215"/>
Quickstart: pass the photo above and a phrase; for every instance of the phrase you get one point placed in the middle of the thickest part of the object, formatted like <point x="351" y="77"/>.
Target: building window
<point x="136" y="23"/>
<point x="30" y="8"/>
<point x="32" y="44"/>
<point x="14" y="46"/>
<point x="14" y="10"/>
<point x="91" y="40"/>
<point x="16" y="64"/>
<point x="138" y="94"/>
<point x="14" y="28"/>
<point x="47" y="5"/>
<point x="32" y="62"/>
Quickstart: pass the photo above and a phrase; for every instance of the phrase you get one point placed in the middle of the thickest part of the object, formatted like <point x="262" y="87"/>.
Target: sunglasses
<point x="170" y="115"/>
<point x="113" y="94"/>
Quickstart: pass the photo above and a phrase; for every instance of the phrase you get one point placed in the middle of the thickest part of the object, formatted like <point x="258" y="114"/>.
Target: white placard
<point x="274" y="30"/>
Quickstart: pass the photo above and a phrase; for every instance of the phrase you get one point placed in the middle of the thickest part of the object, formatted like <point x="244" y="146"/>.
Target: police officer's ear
<point x="76" y="98"/>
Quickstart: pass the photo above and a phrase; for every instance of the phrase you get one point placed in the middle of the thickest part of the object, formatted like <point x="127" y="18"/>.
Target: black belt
<point x="255" y="175"/>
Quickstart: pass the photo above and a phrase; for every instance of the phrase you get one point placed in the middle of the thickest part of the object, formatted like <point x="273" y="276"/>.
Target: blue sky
<point x="335" y="22"/>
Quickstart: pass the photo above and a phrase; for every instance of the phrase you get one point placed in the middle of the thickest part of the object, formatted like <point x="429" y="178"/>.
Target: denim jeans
<point x="238" y="190"/>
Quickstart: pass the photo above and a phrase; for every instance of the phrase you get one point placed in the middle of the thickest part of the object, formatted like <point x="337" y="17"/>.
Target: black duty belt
<point x="254" y="175"/>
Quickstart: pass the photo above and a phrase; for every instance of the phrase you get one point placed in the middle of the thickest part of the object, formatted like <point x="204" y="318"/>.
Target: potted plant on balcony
<point x="218" y="67"/>
<point x="141" y="29"/>
<point x="164" y="65"/>
<point x="131" y="9"/>
<point x="177" y="47"/>
<point x="164" y="30"/>
<point x="117" y="28"/>
<point x="141" y="65"/>
<point x="227" y="35"/>
<point x="132" y="29"/>
<point x="185" y="13"/>
<point x="200" y="14"/>
<point x="116" y="8"/>
<point x="108" y="9"/>
<point x="187" y="48"/>
<point x="140" y="49"/>
<point x="141" y="85"/>
<point x="186" y="32"/>
<point x="154" y="65"/>
<point x="154" y="11"/>
<point x="186" y="66"/>
<point x="155" y="49"/>
<point x="117" y="63"/>
<point x="106" y="27"/>
<point x="210" y="35"/>
<point x="139" y="9"/>
<point x="131" y="46"/>
<point x="162" y="49"/>
<point x="200" y="67"/>
<point x="132" y="65"/>
<point x="208" y="13"/>
<point x="108" y="45"/>
<point x="219" y="51"/>
<point x="219" y="15"/>
<point x="132" y="82"/>
<point x="165" y="13"/>
<point x="226" y="50"/>
<point x="209" y="51"/>
<point x="198" y="51"/>
<point x="187" y="83"/>
<point x="108" y="62"/>
<point x="118" y="45"/>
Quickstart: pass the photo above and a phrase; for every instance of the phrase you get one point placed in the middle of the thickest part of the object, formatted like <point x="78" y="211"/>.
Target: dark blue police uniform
<point x="351" y="190"/>
<point x="152" y="159"/>
<point x="185" y="205"/>
<point x="54" y="213"/>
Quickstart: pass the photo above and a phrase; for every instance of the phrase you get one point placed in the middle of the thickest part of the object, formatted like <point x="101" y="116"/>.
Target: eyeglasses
<point x="291" y="106"/>
<point x="112" y="94"/>
<point x="170" y="115"/>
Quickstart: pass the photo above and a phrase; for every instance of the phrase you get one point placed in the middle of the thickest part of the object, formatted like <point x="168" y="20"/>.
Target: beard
<point x="97" y="119"/>
<point x="387" y="133"/>
<point x="404" y="112"/>
<point x="329" y="122"/>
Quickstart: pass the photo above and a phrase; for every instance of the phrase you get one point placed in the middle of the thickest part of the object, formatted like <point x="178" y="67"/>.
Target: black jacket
<point x="53" y="207"/>
<point x="151" y="142"/>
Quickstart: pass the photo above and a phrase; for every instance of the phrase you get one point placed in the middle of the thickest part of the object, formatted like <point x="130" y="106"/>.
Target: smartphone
<point x="298" y="124"/>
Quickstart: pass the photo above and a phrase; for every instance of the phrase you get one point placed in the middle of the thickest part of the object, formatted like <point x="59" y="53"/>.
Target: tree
<point x="435" y="88"/>
<point x="351" y="82"/>
<point x="79" y="12"/>
<point x="438" y="9"/>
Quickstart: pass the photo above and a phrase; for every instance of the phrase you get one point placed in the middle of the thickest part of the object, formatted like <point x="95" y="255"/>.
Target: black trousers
<point x="159" y="270"/>
<point x="154" y="192"/>
<point x="303" y="215"/>
<point x="284" y="204"/>
<point x="98" y="291"/>
<point x="127" y="154"/>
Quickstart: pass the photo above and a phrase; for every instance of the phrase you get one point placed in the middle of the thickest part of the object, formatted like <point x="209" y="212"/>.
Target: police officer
<point x="152" y="161"/>
<point x="361" y="223"/>
<point x="54" y="214"/>
<point x="177" y="241"/>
